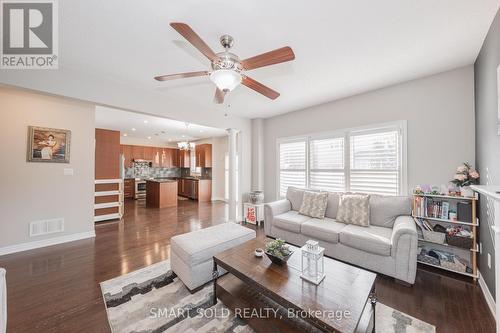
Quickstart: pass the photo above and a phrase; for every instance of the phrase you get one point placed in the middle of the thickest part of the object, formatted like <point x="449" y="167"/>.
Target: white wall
<point x="440" y="114"/>
<point x="36" y="191"/>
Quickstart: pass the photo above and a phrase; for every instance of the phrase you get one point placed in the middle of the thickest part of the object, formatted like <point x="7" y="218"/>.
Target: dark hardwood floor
<point x="56" y="289"/>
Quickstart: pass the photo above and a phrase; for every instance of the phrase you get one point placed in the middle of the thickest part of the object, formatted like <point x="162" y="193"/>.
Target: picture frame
<point x="48" y="145"/>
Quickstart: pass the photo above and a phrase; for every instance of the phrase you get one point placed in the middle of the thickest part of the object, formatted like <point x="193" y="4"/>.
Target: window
<point x="375" y="163"/>
<point x="358" y="160"/>
<point x="292" y="165"/>
<point x="327" y="164"/>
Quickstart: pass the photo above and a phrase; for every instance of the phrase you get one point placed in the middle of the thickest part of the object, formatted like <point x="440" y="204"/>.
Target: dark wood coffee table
<point x="257" y="284"/>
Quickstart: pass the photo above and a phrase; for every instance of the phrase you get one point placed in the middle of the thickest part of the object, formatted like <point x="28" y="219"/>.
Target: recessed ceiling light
<point x="149" y="137"/>
<point x="183" y="136"/>
<point x="169" y="140"/>
<point x="125" y="134"/>
<point x="201" y="131"/>
<point x="133" y="129"/>
<point x="145" y="121"/>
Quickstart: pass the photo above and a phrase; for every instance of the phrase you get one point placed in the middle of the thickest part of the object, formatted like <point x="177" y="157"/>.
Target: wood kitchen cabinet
<point x="184" y="159"/>
<point x="196" y="189"/>
<point x="160" y="156"/>
<point x="185" y="186"/>
<point x="137" y="152"/>
<point x="126" y="150"/>
<point x="157" y="157"/>
<point x="175" y="157"/>
<point x="167" y="157"/>
<point x="203" y="155"/>
<point x="149" y="153"/>
<point x="129" y="188"/>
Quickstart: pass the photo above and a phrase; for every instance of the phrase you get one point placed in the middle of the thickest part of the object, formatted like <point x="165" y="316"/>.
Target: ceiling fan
<point x="227" y="68"/>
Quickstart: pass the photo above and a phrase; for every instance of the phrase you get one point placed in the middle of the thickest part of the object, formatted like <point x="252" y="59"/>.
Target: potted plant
<point x="464" y="177"/>
<point x="278" y="251"/>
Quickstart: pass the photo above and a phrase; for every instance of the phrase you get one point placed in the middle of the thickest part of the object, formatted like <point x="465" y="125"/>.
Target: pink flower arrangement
<point x="474" y="174"/>
<point x="465" y="175"/>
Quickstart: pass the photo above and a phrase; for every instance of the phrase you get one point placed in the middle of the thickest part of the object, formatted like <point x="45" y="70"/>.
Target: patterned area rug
<point x="153" y="299"/>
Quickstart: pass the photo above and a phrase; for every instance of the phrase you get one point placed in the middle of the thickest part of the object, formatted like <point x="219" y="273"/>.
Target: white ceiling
<point x="342" y="47"/>
<point x="146" y="127"/>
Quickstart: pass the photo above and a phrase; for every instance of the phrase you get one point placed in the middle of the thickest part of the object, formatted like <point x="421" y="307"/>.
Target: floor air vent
<point x="44" y="227"/>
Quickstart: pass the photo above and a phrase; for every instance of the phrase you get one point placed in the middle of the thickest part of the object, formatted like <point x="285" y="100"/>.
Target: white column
<point x="258" y="154"/>
<point x="232" y="173"/>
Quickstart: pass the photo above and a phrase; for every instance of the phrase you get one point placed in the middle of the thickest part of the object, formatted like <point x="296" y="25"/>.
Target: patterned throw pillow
<point x="314" y="204"/>
<point x="354" y="209"/>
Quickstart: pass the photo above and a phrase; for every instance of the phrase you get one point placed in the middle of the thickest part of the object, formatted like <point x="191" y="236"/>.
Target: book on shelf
<point x="424" y="224"/>
<point x="428" y="207"/>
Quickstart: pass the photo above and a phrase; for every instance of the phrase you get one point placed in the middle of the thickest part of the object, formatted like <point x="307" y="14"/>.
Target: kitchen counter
<point x="161" y="193"/>
<point x="196" y="188"/>
<point x="162" y="180"/>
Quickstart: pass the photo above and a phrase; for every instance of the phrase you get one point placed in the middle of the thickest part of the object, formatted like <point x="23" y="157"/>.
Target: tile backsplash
<point x="143" y="170"/>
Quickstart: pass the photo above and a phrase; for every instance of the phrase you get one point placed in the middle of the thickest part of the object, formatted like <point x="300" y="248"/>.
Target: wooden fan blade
<point x="259" y="87"/>
<point x="180" y="75"/>
<point x="219" y="96"/>
<point x="191" y="36"/>
<point x="269" y="58"/>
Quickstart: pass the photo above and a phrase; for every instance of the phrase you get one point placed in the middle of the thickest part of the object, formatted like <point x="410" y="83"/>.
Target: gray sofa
<point x="387" y="246"/>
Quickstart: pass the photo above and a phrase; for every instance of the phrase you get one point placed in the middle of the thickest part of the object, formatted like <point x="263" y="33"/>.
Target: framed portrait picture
<point x="48" y="144"/>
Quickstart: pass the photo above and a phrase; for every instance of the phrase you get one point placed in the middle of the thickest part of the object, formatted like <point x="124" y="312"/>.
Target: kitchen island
<point x="161" y="193"/>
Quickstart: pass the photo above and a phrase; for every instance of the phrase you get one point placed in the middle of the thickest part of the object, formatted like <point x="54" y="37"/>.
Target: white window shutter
<point x="292" y="165"/>
<point x="375" y="162"/>
<point x="326" y="159"/>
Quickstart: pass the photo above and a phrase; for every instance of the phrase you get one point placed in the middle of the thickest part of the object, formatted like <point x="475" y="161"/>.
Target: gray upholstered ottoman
<point x="191" y="253"/>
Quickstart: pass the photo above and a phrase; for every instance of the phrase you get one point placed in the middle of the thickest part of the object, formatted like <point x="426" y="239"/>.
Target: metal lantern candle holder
<point x="313" y="265"/>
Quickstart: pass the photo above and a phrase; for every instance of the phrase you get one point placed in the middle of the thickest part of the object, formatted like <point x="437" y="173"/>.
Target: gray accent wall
<point x="487" y="139"/>
<point x="439" y="111"/>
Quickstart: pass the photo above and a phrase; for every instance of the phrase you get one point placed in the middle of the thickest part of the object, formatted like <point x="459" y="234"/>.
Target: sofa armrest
<point x="272" y="209"/>
<point x="403" y="225"/>
<point x="404" y="241"/>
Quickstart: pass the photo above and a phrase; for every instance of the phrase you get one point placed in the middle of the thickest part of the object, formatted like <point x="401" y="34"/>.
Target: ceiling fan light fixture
<point x="225" y="79"/>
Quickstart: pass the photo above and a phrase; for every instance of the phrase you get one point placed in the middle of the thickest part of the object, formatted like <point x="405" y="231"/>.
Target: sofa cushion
<point x="314" y="204"/>
<point x="385" y="209"/>
<point x="290" y="221"/>
<point x="295" y="195"/>
<point x="354" y="209"/>
<point x="371" y="239"/>
<point x="326" y="229"/>
<point x="332" y="205"/>
<point x="201" y="245"/>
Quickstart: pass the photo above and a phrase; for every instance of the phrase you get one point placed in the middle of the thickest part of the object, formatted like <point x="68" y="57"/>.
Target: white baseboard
<point x="45" y="242"/>
<point x="487" y="295"/>
<point x="218" y="199"/>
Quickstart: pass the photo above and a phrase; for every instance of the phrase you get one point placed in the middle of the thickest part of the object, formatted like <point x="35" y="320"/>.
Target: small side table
<point x="254" y="213"/>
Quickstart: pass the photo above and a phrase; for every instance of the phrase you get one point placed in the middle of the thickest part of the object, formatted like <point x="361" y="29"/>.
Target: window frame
<point x="400" y="126"/>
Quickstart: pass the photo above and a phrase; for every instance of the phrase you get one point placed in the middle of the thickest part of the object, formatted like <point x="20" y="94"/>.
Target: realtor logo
<point x="29" y="34"/>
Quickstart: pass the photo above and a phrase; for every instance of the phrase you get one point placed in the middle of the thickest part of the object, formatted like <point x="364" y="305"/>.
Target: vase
<point x="466" y="191"/>
<point x="256" y="197"/>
